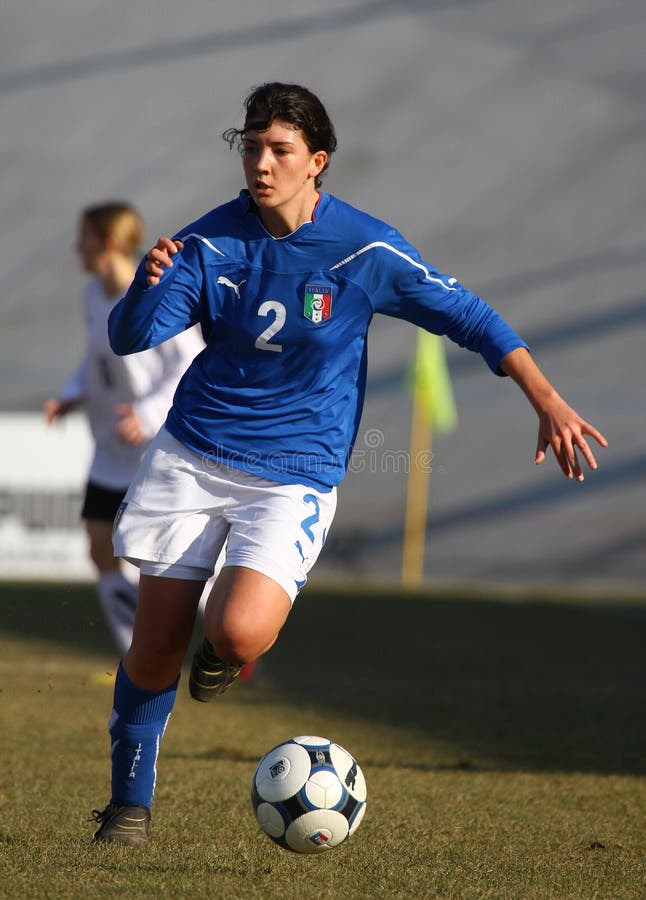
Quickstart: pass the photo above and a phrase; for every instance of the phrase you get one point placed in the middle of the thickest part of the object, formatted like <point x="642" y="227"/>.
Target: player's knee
<point x="240" y="644"/>
<point x="157" y="647"/>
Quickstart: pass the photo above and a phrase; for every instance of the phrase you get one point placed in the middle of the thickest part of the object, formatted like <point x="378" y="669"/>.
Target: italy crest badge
<point x="318" y="302"/>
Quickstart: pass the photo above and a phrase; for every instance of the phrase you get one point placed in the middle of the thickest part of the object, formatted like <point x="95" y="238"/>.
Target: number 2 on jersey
<point x="280" y="314"/>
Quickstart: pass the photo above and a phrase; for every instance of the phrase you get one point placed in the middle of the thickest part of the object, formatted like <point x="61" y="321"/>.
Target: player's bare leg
<point x="166" y="612"/>
<point x="117" y="594"/>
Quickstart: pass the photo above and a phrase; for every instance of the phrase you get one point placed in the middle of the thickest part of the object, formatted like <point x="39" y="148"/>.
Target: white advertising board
<point x="42" y="478"/>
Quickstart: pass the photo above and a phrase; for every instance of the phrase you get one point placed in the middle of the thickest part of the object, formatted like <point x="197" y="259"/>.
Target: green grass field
<point x="503" y="745"/>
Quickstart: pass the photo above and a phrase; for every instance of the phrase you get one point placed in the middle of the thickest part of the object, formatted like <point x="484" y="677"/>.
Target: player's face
<point x="280" y="169"/>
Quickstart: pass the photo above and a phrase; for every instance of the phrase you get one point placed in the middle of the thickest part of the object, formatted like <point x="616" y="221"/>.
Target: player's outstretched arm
<point x="559" y="426"/>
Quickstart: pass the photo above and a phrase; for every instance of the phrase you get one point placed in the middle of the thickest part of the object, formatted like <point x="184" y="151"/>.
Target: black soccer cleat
<point x="210" y="675"/>
<point x="122" y="824"/>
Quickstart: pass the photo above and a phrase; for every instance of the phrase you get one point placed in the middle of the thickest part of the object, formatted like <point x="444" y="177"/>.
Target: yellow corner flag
<point x="433" y="406"/>
<point x="431" y="382"/>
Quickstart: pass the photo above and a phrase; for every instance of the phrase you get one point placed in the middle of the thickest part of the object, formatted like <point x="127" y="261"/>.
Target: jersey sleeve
<point x="411" y="289"/>
<point x="149" y="315"/>
<point x="74" y="387"/>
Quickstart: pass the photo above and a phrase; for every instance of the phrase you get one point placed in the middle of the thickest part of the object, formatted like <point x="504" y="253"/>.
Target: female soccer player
<point x="284" y="280"/>
<point x="126" y="399"/>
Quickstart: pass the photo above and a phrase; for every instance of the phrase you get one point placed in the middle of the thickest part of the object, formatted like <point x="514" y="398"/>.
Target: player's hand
<point x="129" y="427"/>
<point x="561" y="428"/>
<point x="55" y="409"/>
<point x="159" y="258"/>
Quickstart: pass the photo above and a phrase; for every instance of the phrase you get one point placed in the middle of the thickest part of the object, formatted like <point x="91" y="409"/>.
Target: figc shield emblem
<point x="318" y="302"/>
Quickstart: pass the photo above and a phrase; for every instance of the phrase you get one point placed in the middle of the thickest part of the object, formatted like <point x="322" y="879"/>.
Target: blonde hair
<point x="117" y="222"/>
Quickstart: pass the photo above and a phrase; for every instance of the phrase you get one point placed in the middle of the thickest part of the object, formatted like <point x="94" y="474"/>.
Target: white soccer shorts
<point x="181" y="509"/>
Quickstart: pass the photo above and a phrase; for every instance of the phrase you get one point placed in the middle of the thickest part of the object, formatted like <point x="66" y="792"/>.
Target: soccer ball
<point x="308" y="794"/>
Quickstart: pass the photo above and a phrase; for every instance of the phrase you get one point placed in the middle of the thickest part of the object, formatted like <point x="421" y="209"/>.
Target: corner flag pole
<point x="433" y="404"/>
<point x="416" y="495"/>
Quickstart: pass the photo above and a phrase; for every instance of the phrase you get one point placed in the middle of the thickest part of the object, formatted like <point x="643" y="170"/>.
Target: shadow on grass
<point x="530" y="685"/>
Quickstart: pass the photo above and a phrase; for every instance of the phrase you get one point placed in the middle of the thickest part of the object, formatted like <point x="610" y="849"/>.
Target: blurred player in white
<point x="126" y="399"/>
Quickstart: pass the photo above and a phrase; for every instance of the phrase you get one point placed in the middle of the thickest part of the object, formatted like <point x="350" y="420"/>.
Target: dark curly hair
<point x="293" y="104"/>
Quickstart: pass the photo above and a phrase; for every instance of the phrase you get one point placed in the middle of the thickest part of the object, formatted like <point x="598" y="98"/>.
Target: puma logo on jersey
<point x="222" y="279"/>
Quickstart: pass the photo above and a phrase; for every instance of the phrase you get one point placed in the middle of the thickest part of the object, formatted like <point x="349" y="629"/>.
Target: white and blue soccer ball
<point x="308" y="794"/>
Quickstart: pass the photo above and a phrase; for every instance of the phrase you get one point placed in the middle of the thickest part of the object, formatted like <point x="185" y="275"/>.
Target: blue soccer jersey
<point x="278" y="390"/>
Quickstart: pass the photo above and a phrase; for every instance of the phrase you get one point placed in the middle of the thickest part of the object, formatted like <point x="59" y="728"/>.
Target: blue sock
<point x="136" y="726"/>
